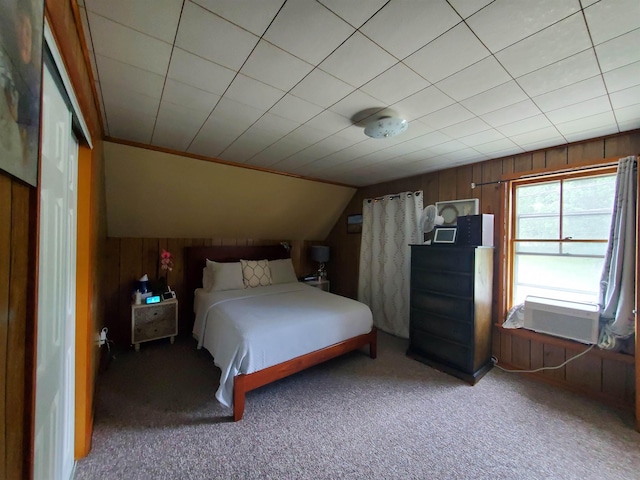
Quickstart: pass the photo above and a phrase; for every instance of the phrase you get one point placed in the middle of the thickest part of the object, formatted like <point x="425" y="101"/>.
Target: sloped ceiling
<point x="159" y="195"/>
<point x="288" y="85"/>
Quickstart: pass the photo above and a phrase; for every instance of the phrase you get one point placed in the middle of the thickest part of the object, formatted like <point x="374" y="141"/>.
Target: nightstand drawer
<point x="150" y="322"/>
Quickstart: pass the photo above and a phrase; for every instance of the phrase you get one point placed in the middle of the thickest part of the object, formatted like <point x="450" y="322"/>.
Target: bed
<point x="253" y="340"/>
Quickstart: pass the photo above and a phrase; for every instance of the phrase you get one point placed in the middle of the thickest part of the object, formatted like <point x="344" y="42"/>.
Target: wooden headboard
<point x="196" y="260"/>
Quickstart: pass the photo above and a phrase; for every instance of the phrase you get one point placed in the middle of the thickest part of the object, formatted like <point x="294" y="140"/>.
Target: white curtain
<point x="617" y="284"/>
<point x="389" y="226"/>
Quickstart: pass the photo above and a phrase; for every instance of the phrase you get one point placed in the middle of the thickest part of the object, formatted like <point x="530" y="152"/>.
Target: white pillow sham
<point x="222" y="276"/>
<point x="282" y="271"/>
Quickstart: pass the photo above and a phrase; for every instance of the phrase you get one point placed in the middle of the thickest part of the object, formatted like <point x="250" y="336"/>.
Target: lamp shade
<point x="320" y="253"/>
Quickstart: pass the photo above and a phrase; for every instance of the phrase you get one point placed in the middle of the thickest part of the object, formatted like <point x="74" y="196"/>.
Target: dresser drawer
<point x="441" y="350"/>
<point x="459" y="308"/>
<point x="450" y="259"/>
<point x="460" y="332"/>
<point x="457" y="284"/>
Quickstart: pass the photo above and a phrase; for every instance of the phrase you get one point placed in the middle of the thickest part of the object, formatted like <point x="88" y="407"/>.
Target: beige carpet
<point x="353" y="417"/>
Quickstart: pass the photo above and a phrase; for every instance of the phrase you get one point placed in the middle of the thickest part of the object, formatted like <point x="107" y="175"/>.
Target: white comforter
<point x="248" y="330"/>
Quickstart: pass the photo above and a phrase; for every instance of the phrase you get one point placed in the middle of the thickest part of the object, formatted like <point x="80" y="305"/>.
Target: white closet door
<point x="55" y="369"/>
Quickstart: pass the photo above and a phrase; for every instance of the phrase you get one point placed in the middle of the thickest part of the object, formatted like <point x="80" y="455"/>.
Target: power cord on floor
<point x="494" y="360"/>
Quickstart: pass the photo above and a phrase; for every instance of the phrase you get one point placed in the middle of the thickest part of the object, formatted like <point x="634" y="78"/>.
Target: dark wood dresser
<point x="450" y="323"/>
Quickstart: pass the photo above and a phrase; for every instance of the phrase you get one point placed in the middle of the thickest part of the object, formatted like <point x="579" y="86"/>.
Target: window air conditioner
<point x="573" y="320"/>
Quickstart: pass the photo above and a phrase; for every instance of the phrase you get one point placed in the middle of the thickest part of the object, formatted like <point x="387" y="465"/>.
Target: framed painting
<point x="354" y="223"/>
<point x="453" y="209"/>
<point x="21" y="40"/>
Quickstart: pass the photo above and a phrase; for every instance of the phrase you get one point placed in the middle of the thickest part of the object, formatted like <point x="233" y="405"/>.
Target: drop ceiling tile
<point x="188" y="68"/>
<point x="609" y="19"/>
<point x="321" y="88"/>
<point x="626" y="97"/>
<point x="498" y="97"/>
<point x="619" y="51"/>
<point x="560" y="74"/>
<point x="357" y="61"/>
<point x="250" y="143"/>
<point x="251" y="92"/>
<point x="587" y="123"/>
<point x="354" y="133"/>
<point x="189" y="97"/>
<point x="127" y="124"/>
<point x="329" y="122"/>
<point x="125" y="99"/>
<point x="306" y="135"/>
<point x="161" y="25"/>
<point x="395" y="84"/>
<point x="480" y="138"/>
<point x="128" y="46"/>
<point x="175" y="128"/>
<point x="430" y="140"/>
<point x="562" y="40"/>
<point x="422" y="103"/>
<point x="129" y="77"/>
<point x="512" y="113"/>
<point x="275" y="124"/>
<point x="628" y="114"/>
<point x="593" y="133"/>
<point x="216" y="135"/>
<point x="401" y="28"/>
<point x="308" y="30"/>
<point x="354" y="104"/>
<point x="356" y="13"/>
<point x="295" y="108"/>
<point x="477" y="78"/>
<point x="466" y="128"/>
<point x="447" y="147"/>
<point x="244" y="14"/>
<point x="211" y="37"/>
<point x="505" y="22"/>
<point x="628" y="125"/>
<point x="499" y="148"/>
<point x="576" y="93"/>
<point x="623" y="77"/>
<point x="536" y="139"/>
<point x="275" y="67"/>
<point x="236" y="114"/>
<point x="280" y="150"/>
<point x="293" y="162"/>
<point x="444" y="117"/>
<point x="579" y="110"/>
<point x="466" y="8"/>
<point x="451" y="52"/>
<point x="530" y="124"/>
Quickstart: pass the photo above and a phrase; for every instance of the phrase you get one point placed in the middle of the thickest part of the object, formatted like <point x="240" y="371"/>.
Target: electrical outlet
<point x="102" y="336"/>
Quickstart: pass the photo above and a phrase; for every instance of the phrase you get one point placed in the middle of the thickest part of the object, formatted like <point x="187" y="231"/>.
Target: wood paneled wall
<point x="130" y="258"/>
<point x="16" y="325"/>
<point x="616" y="385"/>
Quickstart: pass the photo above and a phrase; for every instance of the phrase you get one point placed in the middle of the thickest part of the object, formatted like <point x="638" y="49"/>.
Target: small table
<point x="321" y="284"/>
<point x="154" y="321"/>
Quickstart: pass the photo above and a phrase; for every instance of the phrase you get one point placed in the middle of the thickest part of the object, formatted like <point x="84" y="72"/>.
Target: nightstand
<point x="321" y="284"/>
<point x="154" y="321"/>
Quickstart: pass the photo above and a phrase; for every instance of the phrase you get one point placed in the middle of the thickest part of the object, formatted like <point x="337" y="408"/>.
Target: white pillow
<point x="256" y="273"/>
<point x="282" y="271"/>
<point x="224" y="276"/>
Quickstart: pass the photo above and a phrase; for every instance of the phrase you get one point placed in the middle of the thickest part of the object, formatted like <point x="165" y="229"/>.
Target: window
<point x="559" y="228"/>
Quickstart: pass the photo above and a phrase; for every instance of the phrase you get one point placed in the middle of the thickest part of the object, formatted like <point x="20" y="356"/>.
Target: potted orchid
<point x="166" y="264"/>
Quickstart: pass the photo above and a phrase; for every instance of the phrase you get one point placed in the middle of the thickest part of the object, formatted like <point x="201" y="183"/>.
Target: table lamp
<point x="320" y="254"/>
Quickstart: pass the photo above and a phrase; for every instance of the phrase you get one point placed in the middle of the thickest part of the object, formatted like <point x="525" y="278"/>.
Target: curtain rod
<point x="391" y="197"/>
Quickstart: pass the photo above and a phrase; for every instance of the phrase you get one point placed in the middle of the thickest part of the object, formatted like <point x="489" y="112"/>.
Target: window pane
<point x="566" y="277"/>
<point x="587" y="205"/>
<point x="538" y="210"/>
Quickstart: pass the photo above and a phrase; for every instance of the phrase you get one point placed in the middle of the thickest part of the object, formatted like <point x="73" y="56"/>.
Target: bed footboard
<point x="246" y="382"/>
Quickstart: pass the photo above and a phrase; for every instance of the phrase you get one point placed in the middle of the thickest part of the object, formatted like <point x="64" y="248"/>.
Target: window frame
<point x="511" y="182"/>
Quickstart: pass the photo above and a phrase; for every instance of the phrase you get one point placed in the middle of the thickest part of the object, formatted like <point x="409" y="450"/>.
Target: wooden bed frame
<point x="195" y="258"/>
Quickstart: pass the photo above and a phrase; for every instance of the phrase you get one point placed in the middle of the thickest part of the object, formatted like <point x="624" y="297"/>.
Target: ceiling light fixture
<point x="385" y="127"/>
